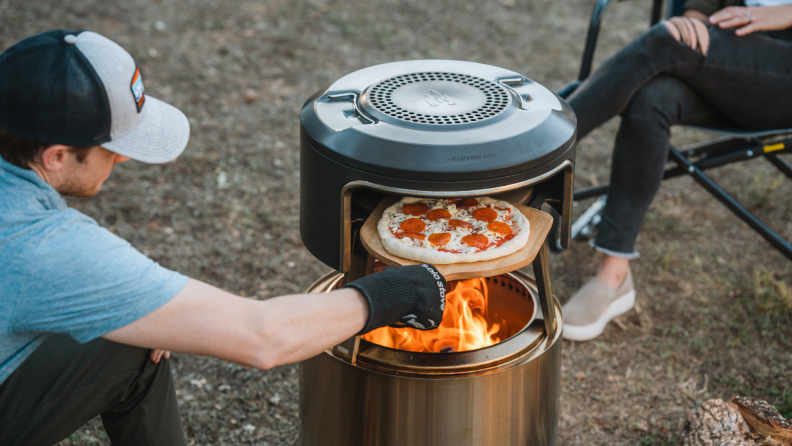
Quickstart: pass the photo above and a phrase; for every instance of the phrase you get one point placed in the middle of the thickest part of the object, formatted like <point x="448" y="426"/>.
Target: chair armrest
<point x="657" y="9"/>
<point x="568" y="89"/>
<point x="591" y="38"/>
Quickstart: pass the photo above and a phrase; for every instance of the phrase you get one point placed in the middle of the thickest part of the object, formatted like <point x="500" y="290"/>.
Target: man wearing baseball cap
<point x="80" y="308"/>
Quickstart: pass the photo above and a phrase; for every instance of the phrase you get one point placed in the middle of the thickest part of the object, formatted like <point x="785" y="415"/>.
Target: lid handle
<point x="518" y="81"/>
<point x="354" y="97"/>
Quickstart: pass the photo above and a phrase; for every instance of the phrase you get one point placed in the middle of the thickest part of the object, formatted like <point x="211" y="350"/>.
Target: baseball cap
<point x="79" y="88"/>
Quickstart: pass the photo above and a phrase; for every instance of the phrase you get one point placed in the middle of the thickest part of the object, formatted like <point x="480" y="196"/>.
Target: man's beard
<point x="79" y="190"/>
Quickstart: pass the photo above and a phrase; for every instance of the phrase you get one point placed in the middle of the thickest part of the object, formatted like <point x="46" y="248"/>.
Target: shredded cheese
<point x="440" y="226"/>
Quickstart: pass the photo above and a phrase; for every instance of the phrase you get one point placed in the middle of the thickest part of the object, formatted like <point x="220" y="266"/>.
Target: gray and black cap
<point x="78" y="88"/>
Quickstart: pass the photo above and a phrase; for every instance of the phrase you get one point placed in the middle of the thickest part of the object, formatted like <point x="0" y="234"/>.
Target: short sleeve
<point x="84" y="281"/>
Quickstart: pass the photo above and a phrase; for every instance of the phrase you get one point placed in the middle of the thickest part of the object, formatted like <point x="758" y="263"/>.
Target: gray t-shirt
<point x="60" y="272"/>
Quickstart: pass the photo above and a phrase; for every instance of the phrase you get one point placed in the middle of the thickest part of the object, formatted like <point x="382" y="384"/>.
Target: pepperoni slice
<point x="476" y="240"/>
<point x="415" y="235"/>
<point x="412" y="225"/>
<point x="500" y="228"/>
<point x="417" y="208"/>
<point x="440" y="239"/>
<point x="437" y="214"/>
<point x="485" y="214"/>
<point x="459" y="224"/>
<point x="467" y="203"/>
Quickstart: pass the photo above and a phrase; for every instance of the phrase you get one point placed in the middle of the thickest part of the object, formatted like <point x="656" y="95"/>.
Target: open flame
<point x="464" y="326"/>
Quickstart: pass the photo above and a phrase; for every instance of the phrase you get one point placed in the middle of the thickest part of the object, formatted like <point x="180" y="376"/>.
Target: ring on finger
<point x="750" y="17"/>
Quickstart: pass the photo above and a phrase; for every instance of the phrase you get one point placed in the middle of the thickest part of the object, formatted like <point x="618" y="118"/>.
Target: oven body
<point x="351" y="155"/>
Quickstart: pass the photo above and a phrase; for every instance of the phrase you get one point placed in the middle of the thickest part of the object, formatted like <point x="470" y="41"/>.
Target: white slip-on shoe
<point x="594" y="305"/>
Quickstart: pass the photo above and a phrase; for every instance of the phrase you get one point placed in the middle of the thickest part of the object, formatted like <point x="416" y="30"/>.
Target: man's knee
<point x="108" y="359"/>
<point x="691" y="32"/>
<point x="122" y="355"/>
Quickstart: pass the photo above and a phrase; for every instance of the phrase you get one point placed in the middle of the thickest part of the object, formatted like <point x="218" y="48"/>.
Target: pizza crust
<point x="423" y="251"/>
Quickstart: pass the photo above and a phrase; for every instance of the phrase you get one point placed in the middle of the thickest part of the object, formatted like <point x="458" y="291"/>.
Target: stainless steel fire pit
<point x="505" y="394"/>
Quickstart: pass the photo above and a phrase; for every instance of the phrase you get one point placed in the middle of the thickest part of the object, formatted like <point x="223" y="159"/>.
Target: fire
<point x="464" y="326"/>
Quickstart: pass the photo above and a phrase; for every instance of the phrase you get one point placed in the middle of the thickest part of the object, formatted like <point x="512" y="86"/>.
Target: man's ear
<point x="53" y="157"/>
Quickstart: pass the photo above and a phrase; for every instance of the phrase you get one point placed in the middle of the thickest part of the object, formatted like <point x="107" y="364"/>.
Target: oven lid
<point x="438" y="116"/>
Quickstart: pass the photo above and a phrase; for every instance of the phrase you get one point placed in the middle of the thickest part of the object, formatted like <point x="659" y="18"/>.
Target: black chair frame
<point x="735" y="146"/>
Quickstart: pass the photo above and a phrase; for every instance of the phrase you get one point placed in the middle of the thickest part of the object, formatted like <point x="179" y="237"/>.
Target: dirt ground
<point x="716" y="315"/>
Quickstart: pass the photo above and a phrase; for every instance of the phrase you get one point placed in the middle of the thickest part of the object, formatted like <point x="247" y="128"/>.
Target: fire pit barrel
<point x="506" y="394"/>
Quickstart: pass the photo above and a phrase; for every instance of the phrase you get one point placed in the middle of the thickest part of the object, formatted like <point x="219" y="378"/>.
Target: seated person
<point x="718" y="65"/>
<point x="80" y="308"/>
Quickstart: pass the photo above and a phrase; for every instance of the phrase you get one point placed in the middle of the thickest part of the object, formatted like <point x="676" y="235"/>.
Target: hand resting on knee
<point x="692" y="30"/>
<point x="749" y="19"/>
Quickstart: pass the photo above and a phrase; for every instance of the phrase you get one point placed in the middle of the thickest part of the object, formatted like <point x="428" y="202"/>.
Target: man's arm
<point x="205" y="320"/>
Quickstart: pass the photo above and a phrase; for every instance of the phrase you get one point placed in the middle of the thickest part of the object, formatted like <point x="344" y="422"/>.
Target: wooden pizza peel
<point x="540" y="223"/>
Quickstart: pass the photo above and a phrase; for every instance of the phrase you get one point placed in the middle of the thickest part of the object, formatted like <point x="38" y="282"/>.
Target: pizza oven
<point x="450" y="129"/>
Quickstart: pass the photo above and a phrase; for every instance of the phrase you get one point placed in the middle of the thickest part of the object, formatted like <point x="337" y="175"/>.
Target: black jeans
<point x="657" y="82"/>
<point x="63" y="384"/>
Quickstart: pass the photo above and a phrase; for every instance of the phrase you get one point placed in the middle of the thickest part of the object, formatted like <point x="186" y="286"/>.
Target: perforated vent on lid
<point x="438" y="98"/>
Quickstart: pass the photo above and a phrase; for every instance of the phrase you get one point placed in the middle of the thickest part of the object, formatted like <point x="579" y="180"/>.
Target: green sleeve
<point x="711" y="6"/>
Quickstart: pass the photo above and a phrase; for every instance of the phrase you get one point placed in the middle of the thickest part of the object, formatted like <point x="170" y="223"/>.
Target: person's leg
<point x="639" y="160"/>
<point x="745" y="78"/>
<point x="613" y="270"/>
<point x="609" y="89"/>
<point x="63" y="384"/>
<point x="719" y="79"/>
<point x="738" y="76"/>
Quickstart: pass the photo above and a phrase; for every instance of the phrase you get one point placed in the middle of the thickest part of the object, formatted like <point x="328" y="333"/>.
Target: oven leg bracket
<point x="542" y="272"/>
<point x="362" y="265"/>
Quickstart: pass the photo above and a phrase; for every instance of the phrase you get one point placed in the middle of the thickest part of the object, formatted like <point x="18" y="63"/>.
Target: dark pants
<point x="63" y="384"/>
<point x="657" y="82"/>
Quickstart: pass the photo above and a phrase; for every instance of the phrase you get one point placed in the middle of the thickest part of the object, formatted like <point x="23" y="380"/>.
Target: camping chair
<point x="730" y="145"/>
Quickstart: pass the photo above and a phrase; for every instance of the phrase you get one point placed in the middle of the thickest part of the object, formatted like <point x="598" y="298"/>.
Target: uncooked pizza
<point x="443" y="231"/>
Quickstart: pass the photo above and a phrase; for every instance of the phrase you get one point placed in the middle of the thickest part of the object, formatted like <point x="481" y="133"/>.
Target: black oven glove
<point x="404" y="296"/>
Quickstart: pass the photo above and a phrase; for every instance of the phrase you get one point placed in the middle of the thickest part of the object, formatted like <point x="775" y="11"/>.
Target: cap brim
<point x="160" y="137"/>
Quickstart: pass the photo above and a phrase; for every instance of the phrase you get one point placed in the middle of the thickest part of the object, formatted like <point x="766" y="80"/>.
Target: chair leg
<point x="719" y="154"/>
<point x="781" y="163"/>
<point x="685" y="166"/>
<point x="584" y="225"/>
<point x="733" y="205"/>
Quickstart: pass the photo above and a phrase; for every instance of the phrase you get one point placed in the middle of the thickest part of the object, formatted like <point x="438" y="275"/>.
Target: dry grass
<point x="226" y="212"/>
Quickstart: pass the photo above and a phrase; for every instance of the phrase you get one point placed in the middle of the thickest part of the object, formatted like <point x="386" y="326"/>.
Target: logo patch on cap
<point x="137" y="90"/>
